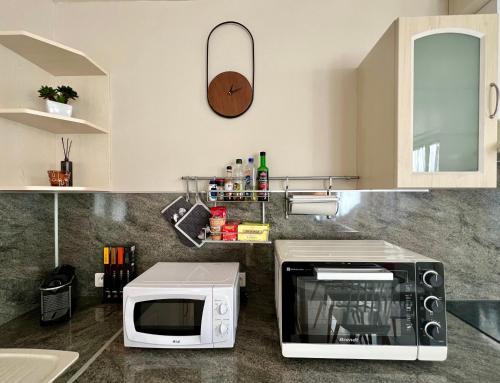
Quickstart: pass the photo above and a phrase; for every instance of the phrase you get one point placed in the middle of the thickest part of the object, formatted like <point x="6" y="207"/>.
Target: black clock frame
<point x="253" y="64"/>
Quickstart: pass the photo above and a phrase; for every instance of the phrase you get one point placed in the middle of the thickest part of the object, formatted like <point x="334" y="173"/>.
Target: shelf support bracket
<point x="263" y="212"/>
<point x="56" y="229"/>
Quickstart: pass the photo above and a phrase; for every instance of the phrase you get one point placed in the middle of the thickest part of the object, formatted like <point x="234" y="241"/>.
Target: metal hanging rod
<point x="291" y="178"/>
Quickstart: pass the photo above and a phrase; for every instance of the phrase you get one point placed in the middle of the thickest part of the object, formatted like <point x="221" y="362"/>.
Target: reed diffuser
<point x="66" y="164"/>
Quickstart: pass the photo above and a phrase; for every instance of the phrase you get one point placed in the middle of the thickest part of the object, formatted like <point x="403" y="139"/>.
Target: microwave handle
<point x="347" y="274"/>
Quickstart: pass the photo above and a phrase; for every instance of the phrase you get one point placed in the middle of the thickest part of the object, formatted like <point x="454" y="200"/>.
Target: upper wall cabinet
<point x="427" y="104"/>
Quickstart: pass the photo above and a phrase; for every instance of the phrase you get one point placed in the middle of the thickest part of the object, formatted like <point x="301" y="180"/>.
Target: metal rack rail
<point x="282" y="178"/>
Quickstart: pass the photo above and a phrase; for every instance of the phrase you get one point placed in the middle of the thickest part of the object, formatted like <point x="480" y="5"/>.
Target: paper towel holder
<point x="329" y="197"/>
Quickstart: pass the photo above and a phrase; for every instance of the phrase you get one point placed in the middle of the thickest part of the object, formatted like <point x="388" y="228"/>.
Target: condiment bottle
<point x="263" y="177"/>
<point x="228" y="184"/>
<point x="220" y="189"/>
<point x="212" y="190"/>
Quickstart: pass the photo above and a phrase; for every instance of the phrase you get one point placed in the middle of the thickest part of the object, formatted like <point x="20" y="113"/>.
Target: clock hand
<point x="230" y="90"/>
<point x="235" y="90"/>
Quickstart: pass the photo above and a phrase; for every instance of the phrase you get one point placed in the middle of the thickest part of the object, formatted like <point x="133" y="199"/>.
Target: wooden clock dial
<point x="230" y="94"/>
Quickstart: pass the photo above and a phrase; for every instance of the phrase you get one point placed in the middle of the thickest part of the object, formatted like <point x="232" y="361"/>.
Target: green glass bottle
<point x="263" y="178"/>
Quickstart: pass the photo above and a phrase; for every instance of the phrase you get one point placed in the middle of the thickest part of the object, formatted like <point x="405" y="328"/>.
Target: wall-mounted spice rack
<point x="286" y="190"/>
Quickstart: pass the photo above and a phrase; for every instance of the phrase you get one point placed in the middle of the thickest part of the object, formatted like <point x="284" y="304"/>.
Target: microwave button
<point x="222" y="309"/>
<point x="433" y="304"/>
<point x="223" y="329"/>
<point x="432" y="279"/>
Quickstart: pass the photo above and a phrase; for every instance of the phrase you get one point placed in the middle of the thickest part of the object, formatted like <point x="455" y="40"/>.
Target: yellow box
<point x="249" y="231"/>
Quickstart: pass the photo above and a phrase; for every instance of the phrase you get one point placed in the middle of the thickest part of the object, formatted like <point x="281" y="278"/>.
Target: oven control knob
<point x="432" y="279"/>
<point x="433" y="330"/>
<point x="433" y="304"/>
<point x="223" y="329"/>
<point x="222" y="308"/>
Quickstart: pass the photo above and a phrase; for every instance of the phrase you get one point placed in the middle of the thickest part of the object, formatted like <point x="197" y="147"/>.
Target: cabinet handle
<point x="497" y="95"/>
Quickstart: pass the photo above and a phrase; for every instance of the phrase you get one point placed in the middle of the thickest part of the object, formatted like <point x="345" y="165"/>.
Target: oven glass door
<point x="175" y="317"/>
<point x="346" y="303"/>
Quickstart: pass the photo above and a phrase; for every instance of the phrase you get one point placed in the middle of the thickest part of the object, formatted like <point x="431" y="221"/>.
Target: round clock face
<point x="230" y="94"/>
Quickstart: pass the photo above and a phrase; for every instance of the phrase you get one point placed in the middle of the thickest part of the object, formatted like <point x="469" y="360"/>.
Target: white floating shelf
<point x="54" y="189"/>
<point x="50" y="122"/>
<point x="55" y="58"/>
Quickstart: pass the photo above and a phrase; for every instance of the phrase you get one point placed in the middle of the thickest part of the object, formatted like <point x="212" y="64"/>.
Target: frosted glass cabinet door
<point x="446" y="102"/>
<point x="446" y="99"/>
<point x="427" y="105"/>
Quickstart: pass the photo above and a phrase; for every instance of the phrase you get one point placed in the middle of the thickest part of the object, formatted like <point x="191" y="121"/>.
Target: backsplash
<point x="459" y="227"/>
<point x="26" y="250"/>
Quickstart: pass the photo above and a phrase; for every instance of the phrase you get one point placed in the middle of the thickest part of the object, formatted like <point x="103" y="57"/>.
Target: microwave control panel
<point x="222" y="317"/>
<point x="431" y="304"/>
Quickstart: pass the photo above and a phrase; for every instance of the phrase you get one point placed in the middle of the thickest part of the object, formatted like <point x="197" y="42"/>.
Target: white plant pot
<point x="59" y="108"/>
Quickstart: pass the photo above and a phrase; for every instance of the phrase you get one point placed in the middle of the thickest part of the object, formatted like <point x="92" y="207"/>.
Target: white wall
<point x="463" y="7"/>
<point x="490" y="7"/>
<point x="304" y="113"/>
<point x="37" y="16"/>
<point x="19" y="142"/>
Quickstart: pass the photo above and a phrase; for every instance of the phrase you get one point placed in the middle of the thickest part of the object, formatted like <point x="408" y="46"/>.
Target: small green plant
<point x="61" y="94"/>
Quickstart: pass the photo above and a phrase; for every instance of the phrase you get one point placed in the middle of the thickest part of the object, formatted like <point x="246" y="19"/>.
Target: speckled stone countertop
<point x="95" y="333"/>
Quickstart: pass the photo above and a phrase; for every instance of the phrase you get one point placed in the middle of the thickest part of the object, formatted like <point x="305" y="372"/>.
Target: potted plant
<point x="56" y="100"/>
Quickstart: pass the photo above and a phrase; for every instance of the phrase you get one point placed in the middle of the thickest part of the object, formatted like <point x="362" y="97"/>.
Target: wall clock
<point x="230" y="94"/>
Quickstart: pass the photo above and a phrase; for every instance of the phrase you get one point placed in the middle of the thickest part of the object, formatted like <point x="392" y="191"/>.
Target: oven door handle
<point x="348" y="274"/>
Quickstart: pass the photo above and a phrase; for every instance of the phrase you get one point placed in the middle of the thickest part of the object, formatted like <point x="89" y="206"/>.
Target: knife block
<point x="119" y="269"/>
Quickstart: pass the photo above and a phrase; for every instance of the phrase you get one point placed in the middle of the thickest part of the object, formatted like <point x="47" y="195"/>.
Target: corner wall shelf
<point x="51" y="56"/>
<point x="50" y="122"/>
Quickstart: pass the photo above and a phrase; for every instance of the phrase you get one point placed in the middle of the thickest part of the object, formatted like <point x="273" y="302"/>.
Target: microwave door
<point x="335" y="304"/>
<point x="170" y="319"/>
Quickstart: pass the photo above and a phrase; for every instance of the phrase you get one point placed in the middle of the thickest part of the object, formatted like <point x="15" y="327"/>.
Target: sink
<point x="24" y="365"/>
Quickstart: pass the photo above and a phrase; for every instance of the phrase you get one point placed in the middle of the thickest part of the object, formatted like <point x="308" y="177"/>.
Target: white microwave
<point x="182" y="305"/>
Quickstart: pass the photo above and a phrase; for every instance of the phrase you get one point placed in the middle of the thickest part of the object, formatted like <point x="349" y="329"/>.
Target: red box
<point x="230" y="231"/>
<point x="218" y="212"/>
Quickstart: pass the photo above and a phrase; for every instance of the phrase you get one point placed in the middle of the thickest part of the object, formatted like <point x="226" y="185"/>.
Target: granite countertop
<point x="95" y="332"/>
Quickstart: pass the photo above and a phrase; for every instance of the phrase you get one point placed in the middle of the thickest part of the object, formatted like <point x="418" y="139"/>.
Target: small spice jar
<point x="220" y="189"/>
<point x="212" y="190"/>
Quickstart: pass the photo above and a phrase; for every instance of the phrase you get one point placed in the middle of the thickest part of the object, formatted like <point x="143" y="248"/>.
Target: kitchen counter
<point x="95" y="333"/>
<point x="92" y="325"/>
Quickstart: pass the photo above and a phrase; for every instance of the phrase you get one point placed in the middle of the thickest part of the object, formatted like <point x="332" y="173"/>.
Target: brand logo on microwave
<point x="176" y="341"/>
<point x="348" y="340"/>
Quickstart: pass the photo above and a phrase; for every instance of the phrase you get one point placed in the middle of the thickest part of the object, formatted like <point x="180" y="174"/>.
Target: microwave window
<point x="175" y="317"/>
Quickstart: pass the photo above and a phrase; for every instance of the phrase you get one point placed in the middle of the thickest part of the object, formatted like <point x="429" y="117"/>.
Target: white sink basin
<point x="24" y="365"/>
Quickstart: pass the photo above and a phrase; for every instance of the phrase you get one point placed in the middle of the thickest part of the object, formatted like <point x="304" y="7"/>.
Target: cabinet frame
<point x="410" y="30"/>
<point x="385" y="106"/>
